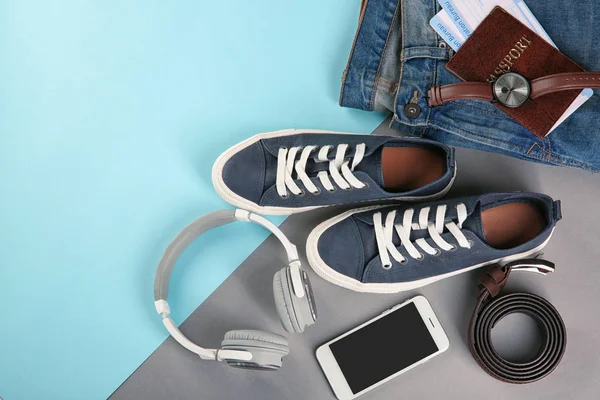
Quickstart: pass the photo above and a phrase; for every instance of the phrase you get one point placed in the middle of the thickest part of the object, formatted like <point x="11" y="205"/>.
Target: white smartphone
<point x="380" y="349"/>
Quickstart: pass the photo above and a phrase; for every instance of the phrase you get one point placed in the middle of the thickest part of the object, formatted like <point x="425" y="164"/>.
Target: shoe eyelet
<point x="332" y="190"/>
<point x="386" y="267"/>
<point x="285" y="196"/>
<point x="349" y="188"/>
<point x="453" y="248"/>
<point x="437" y="253"/>
<point x="404" y="261"/>
<point x="420" y="258"/>
<point x="318" y="192"/>
<point x="301" y="194"/>
<point x="471" y="243"/>
<point x="366" y="185"/>
<point x="283" y="148"/>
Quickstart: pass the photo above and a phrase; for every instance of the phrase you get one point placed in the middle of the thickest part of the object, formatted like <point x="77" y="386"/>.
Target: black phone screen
<point x="383" y="348"/>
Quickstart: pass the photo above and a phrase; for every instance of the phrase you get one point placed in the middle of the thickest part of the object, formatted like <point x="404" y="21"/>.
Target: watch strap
<point x="439" y="95"/>
<point x="565" y="81"/>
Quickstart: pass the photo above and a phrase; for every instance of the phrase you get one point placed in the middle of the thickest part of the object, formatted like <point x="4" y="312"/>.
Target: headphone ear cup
<point x="268" y="349"/>
<point x="284" y="303"/>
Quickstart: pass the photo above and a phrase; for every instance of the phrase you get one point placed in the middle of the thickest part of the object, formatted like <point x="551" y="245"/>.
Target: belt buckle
<point x="542" y="267"/>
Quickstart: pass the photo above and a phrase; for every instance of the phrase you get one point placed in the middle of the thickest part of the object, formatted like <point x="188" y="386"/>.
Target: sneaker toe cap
<point x="341" y="248"/>
<point x="244" y="173"/>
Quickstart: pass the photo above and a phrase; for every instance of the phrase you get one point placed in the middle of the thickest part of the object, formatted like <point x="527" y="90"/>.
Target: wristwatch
<point x="512" y="89"/>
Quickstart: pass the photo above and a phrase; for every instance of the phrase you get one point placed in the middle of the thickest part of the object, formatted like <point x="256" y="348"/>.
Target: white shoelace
<point x="384" y="233"/>
<point x="339" y="169"/>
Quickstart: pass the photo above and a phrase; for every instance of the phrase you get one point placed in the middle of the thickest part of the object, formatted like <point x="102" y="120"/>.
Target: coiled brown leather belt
<point x="488" y="313"/>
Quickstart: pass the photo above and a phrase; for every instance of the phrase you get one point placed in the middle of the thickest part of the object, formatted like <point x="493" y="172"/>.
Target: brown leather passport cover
<point x="500" y="44"/>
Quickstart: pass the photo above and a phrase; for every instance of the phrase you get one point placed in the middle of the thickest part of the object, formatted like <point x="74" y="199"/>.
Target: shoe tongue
<point x="371" y="165"/>
<point x="474" y="223"/>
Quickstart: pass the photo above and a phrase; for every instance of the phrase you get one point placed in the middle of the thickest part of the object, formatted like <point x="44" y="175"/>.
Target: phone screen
<point x="383" y="348"/>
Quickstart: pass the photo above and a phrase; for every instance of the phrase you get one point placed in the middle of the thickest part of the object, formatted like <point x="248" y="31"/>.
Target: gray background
<point x="245" y="300"/>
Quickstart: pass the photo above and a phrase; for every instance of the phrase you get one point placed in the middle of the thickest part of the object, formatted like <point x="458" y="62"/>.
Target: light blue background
<point x="111" y="115"/>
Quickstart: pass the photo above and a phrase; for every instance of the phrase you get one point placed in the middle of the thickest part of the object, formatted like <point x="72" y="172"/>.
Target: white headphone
<point x="291" y="288"/>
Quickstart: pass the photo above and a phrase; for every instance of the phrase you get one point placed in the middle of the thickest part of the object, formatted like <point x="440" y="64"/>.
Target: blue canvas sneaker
<point x="387" y="249"/>
<point x="291" y="171"/>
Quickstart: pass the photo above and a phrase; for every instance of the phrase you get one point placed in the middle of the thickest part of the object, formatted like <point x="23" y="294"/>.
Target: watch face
<point x="512" y="90"/>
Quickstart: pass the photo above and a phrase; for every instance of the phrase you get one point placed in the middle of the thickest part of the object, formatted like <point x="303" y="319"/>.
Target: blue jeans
<point x="397" y="57"/>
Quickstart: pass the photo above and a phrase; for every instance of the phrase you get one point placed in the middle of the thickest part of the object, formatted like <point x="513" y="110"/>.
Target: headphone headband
<point x="180" y="243"/>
